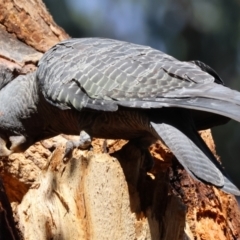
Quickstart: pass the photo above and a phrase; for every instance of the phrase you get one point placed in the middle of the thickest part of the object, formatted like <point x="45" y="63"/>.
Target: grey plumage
<point x="20" y="122"/>
<point x="114" y="89"/>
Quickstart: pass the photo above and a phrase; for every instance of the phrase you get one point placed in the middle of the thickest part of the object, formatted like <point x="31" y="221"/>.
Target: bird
<point x="106" y="88"/>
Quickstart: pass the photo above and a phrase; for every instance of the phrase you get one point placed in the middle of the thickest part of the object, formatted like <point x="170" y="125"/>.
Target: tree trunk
<point x="96" y="195"/>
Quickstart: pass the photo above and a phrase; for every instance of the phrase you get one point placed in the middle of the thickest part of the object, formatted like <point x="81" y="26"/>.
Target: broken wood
<point x="98" y="195"/>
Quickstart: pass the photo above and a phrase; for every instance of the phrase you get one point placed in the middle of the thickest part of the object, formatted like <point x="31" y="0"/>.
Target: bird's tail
<point x="213" y="98"/>
<point x="195" y="156"/>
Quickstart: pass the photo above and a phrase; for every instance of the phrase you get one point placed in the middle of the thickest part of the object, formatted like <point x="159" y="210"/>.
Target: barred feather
<point x="114" y="84"/>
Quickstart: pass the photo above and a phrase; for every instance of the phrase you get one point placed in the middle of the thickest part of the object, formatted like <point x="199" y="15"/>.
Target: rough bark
<point x="97" y="195"/>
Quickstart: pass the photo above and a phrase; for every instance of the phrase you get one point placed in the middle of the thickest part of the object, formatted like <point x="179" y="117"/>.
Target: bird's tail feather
<point x="210" y="91"/>
<point x="195" y="156"/>
<point x="224" y="108"/>
<point x="213" y="98"/>
<point x="208" y="97"/>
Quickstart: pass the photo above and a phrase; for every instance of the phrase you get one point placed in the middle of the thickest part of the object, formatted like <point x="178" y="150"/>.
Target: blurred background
<point x="186" y="29"/>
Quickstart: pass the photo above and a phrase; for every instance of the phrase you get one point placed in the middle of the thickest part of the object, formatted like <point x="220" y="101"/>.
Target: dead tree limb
<point x="97" y="195"/>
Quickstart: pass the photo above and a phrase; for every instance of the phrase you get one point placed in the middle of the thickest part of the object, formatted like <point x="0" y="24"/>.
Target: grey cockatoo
<point x="118" y="90"/>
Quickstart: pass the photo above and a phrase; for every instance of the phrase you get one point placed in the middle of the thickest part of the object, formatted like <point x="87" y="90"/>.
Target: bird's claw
<point x="84" y="143"/>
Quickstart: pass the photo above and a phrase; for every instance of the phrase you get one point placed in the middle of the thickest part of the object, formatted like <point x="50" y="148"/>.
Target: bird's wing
<point x="104" y="74"/>
<point x="209" y="70"/>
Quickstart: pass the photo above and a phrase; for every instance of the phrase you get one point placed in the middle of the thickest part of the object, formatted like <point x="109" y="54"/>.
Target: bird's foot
<point x="18" y="143"/>
<point x="13" y="144"/>
<point x="83" y="143"/>
<point x="4" y="151"/>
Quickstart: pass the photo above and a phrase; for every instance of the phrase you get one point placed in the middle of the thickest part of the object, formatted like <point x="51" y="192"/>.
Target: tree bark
<point x="96" y="195"/>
